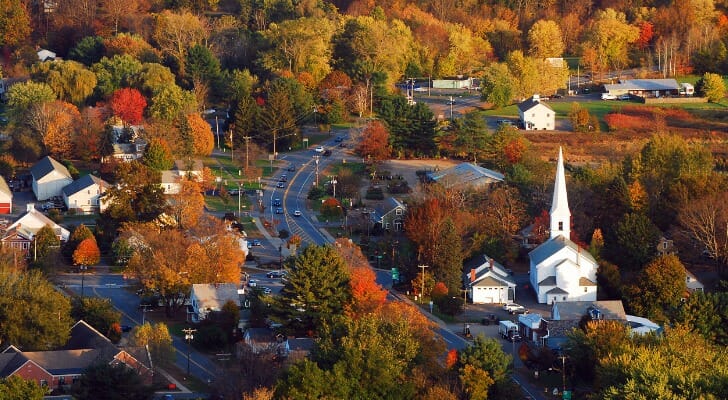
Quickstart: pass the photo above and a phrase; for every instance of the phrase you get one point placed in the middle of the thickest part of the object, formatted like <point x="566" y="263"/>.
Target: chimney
<point x="490" y="261"/>
<point x="30" y="207"/>
<point x="472" y="274"/>
<point x="536" y="98"/>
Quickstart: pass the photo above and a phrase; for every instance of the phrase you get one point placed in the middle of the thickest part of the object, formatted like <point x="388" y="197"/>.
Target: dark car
<point x="283" y="178"/>
<point x="279" y="210"/>
<point x="339" y="139"/>
<point x="280" y="185"/>
<point x="277" y="202"/>
<point x="327" y="153"/>
<point x="125" y="328"/>
<point x="291" y="168"/>
<point x="275" y="274"/>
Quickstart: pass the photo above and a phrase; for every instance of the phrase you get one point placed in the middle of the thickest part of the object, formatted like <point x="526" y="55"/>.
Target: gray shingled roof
<point x="551" y="246"/>
<point x="557" y="290"/>
<point x="385" y="207"/>
<point x="45" y="166"/>
<point x="82" y="183"/>
<point x="574" y="310"/>
<point x="465" y="174"/>
<point x="529" y="104"/>
<point x="644" y="84"/>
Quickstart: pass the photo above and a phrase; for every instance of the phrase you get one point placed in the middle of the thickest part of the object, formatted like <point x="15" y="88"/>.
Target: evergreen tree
<point x="447" y="263"/>
<point x="157" y="155"/>
<point x="111" y="382"/>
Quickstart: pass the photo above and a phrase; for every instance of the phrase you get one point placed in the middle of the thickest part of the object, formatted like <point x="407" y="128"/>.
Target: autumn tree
<point x="171" y="101"/>
<point x="97" y="312"/>
<point x="544" y="39"/>
<point x="46" y="244"/>
<point x="14" y="22"/>
<point x="712" y="86"/>
<point x="114" y="73"/>
<point x="374" y="144"/>
<point x="214" y="256"/>
<point x="55" y="123"/>
<point x="24" y="95"/>
<point x="610" y="36"/>
<point x="335" y="85"/>
<point x="17" y="388"/>
<point x="297" y="48"/>
<point x="485" y="356"/>
<point x="174" y="33"/>
<point x="497" y="85"/>
<point x="159" y="340"/>
<point x="203" y="140"/>
<point x="87" y="253"/>
<point x="86" y="140"/>
<point x="367" y="295"/>
<point x="657" y="291"/>
<point x="447" y="263"/>
<point x="127" y="43"/>
<point x="593" y="342"/>
<point x="70" y="80"/>
<point x="128" y="104"/>
<point x="706" y="222"/>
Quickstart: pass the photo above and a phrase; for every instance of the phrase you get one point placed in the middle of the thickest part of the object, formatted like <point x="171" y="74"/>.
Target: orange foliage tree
<point x="128" y="104"/>
<point x="367" y="295"/>
<point x="374" y="143"/>
<point x="202" y="138"/>
<point x="87" y="253"/>
<point x="188" y="204"/>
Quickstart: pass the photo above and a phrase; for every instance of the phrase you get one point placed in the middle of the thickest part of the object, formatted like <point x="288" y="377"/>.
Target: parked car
<point x="296" y="213"/>
<point x="291" y="168"/>
<point x="624" y="97"/>
<point x="267" y="290"/>
<point x="514" y="308"/>
<point x="275" y="274"/>
<point x="125" y="328"/>
<point x="608" y="96"/>
<point x="557" y="96"/>
<point x="283" y="178"/>
<point x="319" y="149"/>
<point x="339" y="139"/>
<point x="255" y="242"/>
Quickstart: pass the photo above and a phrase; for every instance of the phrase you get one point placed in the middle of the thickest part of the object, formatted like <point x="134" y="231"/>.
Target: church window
<point x="561" y="226"/>
<point x="564" y="298"/>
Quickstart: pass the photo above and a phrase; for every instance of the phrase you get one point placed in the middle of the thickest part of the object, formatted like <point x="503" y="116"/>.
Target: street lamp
<point x="188" y="337"/>
<point x="334" y="182"/>
<point x="316" y="158"/>
<point x="240" y="189"/>
<point x="83" y="272"/>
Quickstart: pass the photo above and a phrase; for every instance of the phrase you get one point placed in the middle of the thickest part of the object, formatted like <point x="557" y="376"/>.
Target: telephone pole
<point x="246" y="138"/>
<point x="422" y="294"/>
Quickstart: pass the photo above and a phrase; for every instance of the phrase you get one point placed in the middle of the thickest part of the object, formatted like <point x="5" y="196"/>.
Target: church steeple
<point x="560" y="214"/>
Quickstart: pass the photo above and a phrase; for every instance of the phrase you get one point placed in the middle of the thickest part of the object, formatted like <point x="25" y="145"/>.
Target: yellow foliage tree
<point x="202" y="138"/>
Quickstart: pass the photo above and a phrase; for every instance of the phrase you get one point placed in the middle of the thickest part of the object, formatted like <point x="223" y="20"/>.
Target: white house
<point x="19" y="235"/>
<point x="6" y="197"/>
<point x="560" y="270"/>
<point x="84" y="194"/>
<point x="206" y="298"/>
<point x="49" y="178"/>
<point x="488" y="282"/>
<point x="182" y="169"/>
<point x="692" y="282"/>
<point x="535" y="115"/>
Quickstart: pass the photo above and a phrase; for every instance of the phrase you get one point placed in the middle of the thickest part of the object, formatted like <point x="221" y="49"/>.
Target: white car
<point x="319" y="149"/>
<point x="296" y="213"/>
<point x="514" y="308"/>
<point x="608" y="96"/>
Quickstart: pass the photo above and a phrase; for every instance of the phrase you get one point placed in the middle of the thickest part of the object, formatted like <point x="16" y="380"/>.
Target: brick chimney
<point x="472" y="274"/>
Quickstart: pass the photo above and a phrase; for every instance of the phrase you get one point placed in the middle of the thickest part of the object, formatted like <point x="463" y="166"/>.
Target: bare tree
<point x="706" y="221"/>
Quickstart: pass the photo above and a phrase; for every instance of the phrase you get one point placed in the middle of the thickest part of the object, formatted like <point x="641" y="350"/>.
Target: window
<point x="548" y="115"/>
<point x="533" y="115"/>
<point x="398" y="211"/>
<point x="585" y="290"/>
<point x="88" y="191"/>
<point x="62" y="380"/>
<point x="43" y="383"/>
<point x="561" y="226"/>
<point x="564" y="298"/>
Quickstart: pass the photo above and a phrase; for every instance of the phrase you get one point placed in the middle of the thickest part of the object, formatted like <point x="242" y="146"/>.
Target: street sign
<point x="567" y="395"/>
<point x="395" y="274"/>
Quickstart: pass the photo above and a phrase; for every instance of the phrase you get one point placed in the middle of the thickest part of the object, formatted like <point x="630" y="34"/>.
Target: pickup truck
<point x="514" y="308"/>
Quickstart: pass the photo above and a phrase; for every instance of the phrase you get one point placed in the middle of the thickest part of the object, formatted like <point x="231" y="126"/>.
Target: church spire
<point x="560" y="214"/>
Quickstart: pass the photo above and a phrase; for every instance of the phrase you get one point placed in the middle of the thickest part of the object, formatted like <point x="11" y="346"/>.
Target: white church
<point x="560" y="269"/>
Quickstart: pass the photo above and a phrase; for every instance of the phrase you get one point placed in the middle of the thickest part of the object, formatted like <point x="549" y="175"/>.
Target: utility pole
<point x="144" y="312"/>
<point x="217" y="132"/>
<point x="232" y="146"/>
<point x="422" y="293"/>
<point x="316" y="158"/>
<point x="275" y="134"/>
<point x="246" y="138"/>
<point x="563" y="372"/>
<point x="189" y="336"/>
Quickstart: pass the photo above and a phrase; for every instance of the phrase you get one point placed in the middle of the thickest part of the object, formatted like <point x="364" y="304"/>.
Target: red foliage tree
<point x="128" y="104"/>
<point x="439" y="290"/>
<point x="514" y="150"/>
<point x="87" y="253"/>
<point x="646" y="34"/>
<point x="374" y="143"/>
<point x="452" y="358"/>
<point x="334" y="85"/>
<point x="367" y="295"/>
<point x="540" y="230"/>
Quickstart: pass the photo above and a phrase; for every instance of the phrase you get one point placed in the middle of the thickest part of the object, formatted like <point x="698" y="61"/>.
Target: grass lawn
<point x="216" y="204"/>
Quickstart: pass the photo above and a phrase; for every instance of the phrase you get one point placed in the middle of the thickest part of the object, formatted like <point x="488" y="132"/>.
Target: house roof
<point x="4" y="188"/>
<point x="531" y="103"/>
<point x="549" y="281"/>
<point x="574" y="310"/>
<point x="261" y="336"/>
<point x="301" y="344"/>
<point x="586" y="282"/>
<point x="551" y="246"/>
<point x="32" y="221"/>
<point x="47" y="165"/>
<point x="386" y="206"/>
<point x="11" y="361"/>
<point x="188" y="165"/>
<point x="466" y="174"/>
<point x="482" y="265"/>
<point x="64" y="362"/>
<point x="490" y="281"/>
<point x="213" y="296"/>
<point x="170" y="177"/>
<point x="557" y="290"/>
<point x="644" y="84"/>
<point x="83" y="183"/>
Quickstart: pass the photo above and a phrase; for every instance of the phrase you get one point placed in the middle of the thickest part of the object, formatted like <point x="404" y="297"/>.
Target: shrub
<point x="619" y="121"/>
<point x="316" y="193"/>
<point x="374" y="193"/>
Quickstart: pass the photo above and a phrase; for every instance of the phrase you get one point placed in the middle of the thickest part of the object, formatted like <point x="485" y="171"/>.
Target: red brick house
<point x="60" y="368"/>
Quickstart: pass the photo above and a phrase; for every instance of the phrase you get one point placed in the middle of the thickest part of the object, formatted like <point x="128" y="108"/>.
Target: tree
<point x="111" y="381"/>
<point x="128" y="104"/>
<point x="707" y="315"/>
<point x="544" y="39"/>
<point x="114" y="73"/>
<point x="171" y="101"/>
<point x="86" y="141"/>
<point x="70" y="80"/>
<point x="137" y="195"/>
<point x="81" y="233"/>
<point x="153" y="77"/>
<point x="657" y="292"/>
<point x="610" y="36"/>
<point x="46" y="246"/>
<point x="97" y="312"/>
<point x="157" y="155"/>
<point x="54" y="122"/>
<point x="24" y="95"/>
<point x="317" y="289"/>
<point x="203" y="140"/>
<point x="14" y="22"/>
<point x="201" y="65"/>
<point x="17" y="388"/>
<point x="157" y="337"/>
<point x="116" y="10"/>
<point x="706" y="222"/>
<point x="447" y="263"/>
<point x="476" y="382"/>
<point x="636" y="237"/>
<point x="471" y="135"/>
<point x="33" y="314"/>
<point x="411" y="128"/>
<point x="498" y="85"/>
<point x="87" y="253"/>
<point x="712" y="86"/>
<point x="486" y="355"/>
<point x="175" y="33"/>
<point x="88" y="50"/>
<point x="188" y="204"/>
<point x="367" y="295"/>
<point x="374" y="144"/>
<point x="125" y="43"/>
<point x="277" y="119"/>
<point x="593" y="342"/>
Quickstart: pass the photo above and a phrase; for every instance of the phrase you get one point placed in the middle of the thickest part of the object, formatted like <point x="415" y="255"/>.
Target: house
<point x="6" y="197"/>
<point x="488" y="282"/>
<point x="560" y="270"/>
<point x="189" y="169"/>
<point x="49" y="178"/>
<point x="129" y="151"/>
<point x="455" y="83"/>
<point x="389" y="214"/>
<point x="642" y="326"/>
<point x="84" y="194"/>
<point x="536" y="115"/>
<point x="645" y="87"/>
<point x="465" y="175"/>
<point x="566" y="316"/>
<point x="45" y="55"/>
<point x="692" y="282"/>
<point x="59" y="369"/>
<point x="211" y="297"/>
<point x="665" y="247"/>
<point x="19" y="235"/>
<point x="261" y="340"/>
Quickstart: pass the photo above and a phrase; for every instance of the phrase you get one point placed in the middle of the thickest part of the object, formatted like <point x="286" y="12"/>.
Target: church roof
<point x="551" y="246"/>
<point x="586" y="282"/>
<point x="560" y="200"/>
